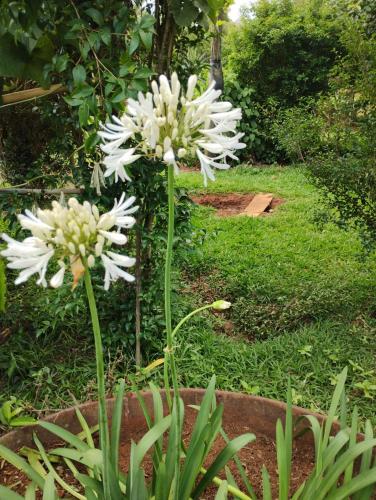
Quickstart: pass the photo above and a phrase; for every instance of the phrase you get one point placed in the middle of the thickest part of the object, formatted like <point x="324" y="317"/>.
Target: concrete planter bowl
<point x="255" y="413"/>
<point x="242" y="413"/>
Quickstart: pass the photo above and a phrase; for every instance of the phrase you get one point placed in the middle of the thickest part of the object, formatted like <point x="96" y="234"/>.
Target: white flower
<point x="31" y="255"/>
<point x="170" y="125"/>
<point x="75" y="234"/>
<point x="112" y="263"/>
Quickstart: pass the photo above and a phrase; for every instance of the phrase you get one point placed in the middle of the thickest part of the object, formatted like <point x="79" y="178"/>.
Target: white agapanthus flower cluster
<point x="170" y="125"/>
<point x="74" y="235"/>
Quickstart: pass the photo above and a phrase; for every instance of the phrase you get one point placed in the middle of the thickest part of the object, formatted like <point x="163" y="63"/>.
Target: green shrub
<point x="282" y="54"/>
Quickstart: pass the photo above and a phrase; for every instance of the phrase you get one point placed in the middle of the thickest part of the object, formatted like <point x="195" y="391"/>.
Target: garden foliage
<point x="287" y="51"/>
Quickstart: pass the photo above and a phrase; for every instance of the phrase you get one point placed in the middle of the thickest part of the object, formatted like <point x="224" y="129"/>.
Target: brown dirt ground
<point x="230" y="204"/>
<point x="253" y="457"/>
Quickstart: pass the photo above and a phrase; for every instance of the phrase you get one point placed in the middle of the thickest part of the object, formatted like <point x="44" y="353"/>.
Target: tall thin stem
<point x="103" y="420"/>
<point x="170" y="357"/>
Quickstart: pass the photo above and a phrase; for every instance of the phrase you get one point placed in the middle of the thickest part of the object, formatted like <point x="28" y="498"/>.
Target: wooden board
<point x="25" y="95"/>
<point x="258" y="205"/>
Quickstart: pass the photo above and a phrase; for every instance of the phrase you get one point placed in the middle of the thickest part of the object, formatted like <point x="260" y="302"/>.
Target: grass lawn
<point x="303" y="301"/>
<point x="303" y="298"/>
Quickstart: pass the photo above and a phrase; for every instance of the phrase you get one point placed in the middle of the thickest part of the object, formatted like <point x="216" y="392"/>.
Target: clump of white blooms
<point x="169" y="125"/>
<point x="75" y="235"/>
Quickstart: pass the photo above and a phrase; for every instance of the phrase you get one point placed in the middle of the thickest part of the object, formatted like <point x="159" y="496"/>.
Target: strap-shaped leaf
<point x="22" y="465"/>
<point x="222" y="491"/>
<point x="266" y="487"/>
<point x="361" y="481"/>
<point x="85" y="428"/>
<point x="204" y="412"/>
<point x="116" y="425"/>
<point x="192" y="464"/>
<point x="340" y="466"/>
<point x="30" y="491"/>
<point x="335" y="446"/>
<point x="93" y="484"/>
<point x="67" y="436"/>
<point x="52" y="473"/>
<point x="49" y="491"/>
<point x="8" y="494"/>
<point x="241" y="470"/>
<point x="224" y="456"/>
<point x="334" y="405"/>
<point x="150" y="438"/>
<point x="352" y="441"/>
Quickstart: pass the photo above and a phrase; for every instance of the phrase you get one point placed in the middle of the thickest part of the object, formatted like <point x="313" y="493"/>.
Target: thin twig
<point x="40" y="191"/>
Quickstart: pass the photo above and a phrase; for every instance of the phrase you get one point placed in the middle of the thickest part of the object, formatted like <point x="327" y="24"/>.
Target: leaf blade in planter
<point x="266" y="487"/>
<point x="340" y="466"/>
<point x="49" y="491"/>
<point x="8" y="494"/>
<point x="116" y="426"/>
<point x="22" y="465"/>
<point x="221" y="460"/>
<point x="222" y="491"/>
<point x="52" y="473"/>
<point x="361" y="483"/>
<point x="67" y="436"/>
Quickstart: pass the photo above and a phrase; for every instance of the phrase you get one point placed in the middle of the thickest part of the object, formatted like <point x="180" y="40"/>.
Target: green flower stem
<point x="169" y="352"/>
<point x="103" y="420"/>
<point x="231" y="489"/>
<point x="186" y="318"/>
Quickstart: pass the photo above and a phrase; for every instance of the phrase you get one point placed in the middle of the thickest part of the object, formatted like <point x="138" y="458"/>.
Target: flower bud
<point x="221" y="305"/>
<point x="182" y="152"/>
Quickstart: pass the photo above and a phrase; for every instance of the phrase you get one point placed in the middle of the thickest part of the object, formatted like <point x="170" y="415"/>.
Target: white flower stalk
<point x="170" y="125"/>
<point x="74" y="235"/>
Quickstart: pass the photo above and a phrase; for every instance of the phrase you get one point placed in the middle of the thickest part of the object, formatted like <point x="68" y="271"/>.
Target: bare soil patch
<point x="230" y="204"/>
<point x="253" y="457"/>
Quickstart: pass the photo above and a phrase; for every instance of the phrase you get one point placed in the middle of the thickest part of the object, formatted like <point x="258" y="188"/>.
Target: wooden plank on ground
<point x="258" y="205"/>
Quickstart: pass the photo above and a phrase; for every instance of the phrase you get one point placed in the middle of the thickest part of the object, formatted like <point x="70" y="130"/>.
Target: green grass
<point x="303" y="306"/>
<point x="303" y="298"/>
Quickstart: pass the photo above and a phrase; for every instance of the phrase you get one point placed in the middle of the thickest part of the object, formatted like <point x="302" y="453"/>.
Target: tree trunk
<point x="164" y="38"/>
<point x="216" y="71"/>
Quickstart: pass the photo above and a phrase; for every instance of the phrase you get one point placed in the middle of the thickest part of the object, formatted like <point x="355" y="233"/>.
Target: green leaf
<point x="49" y="492"/>
<point x="72" y="102"/>
<point x="134" y="43"/>
<point x="222" y="491"/>
<point x="360" y="482"/>
<point x="116" y="425"/>
<point x="95" y="15"/>
<point x="91" y="141"/>
<point x="21" y="465"/>
<point x="16" y="61"/>
<point x="82" y="91"/>
<point x="150" y="438"/>
<point x="119" y="97"/>
<point x="79" y="74"/>
<point x="105" y="35"/>
<point x="30" y="492"/>
<point x="52" y="473"/>
<point x="146" y="38"/>
<point x="143" y="73"/>
<point x="8" y="494"/>
<point x="184" y="12"/>
<point x="222" y="459"/>
<point x="266" y="487"/>
<point x="65" y="435"/>
<point x="147" y="21"/>
<point x="85" y="428"/>
<point x="22" y="421"/>
<point x="83" y="114"/>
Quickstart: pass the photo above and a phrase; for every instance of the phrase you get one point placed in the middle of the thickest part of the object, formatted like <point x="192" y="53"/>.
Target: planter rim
<point x="262" y="413"/>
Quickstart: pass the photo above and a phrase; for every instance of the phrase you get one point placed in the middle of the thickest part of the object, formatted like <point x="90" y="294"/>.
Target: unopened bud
<point x="221" y="305"/>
